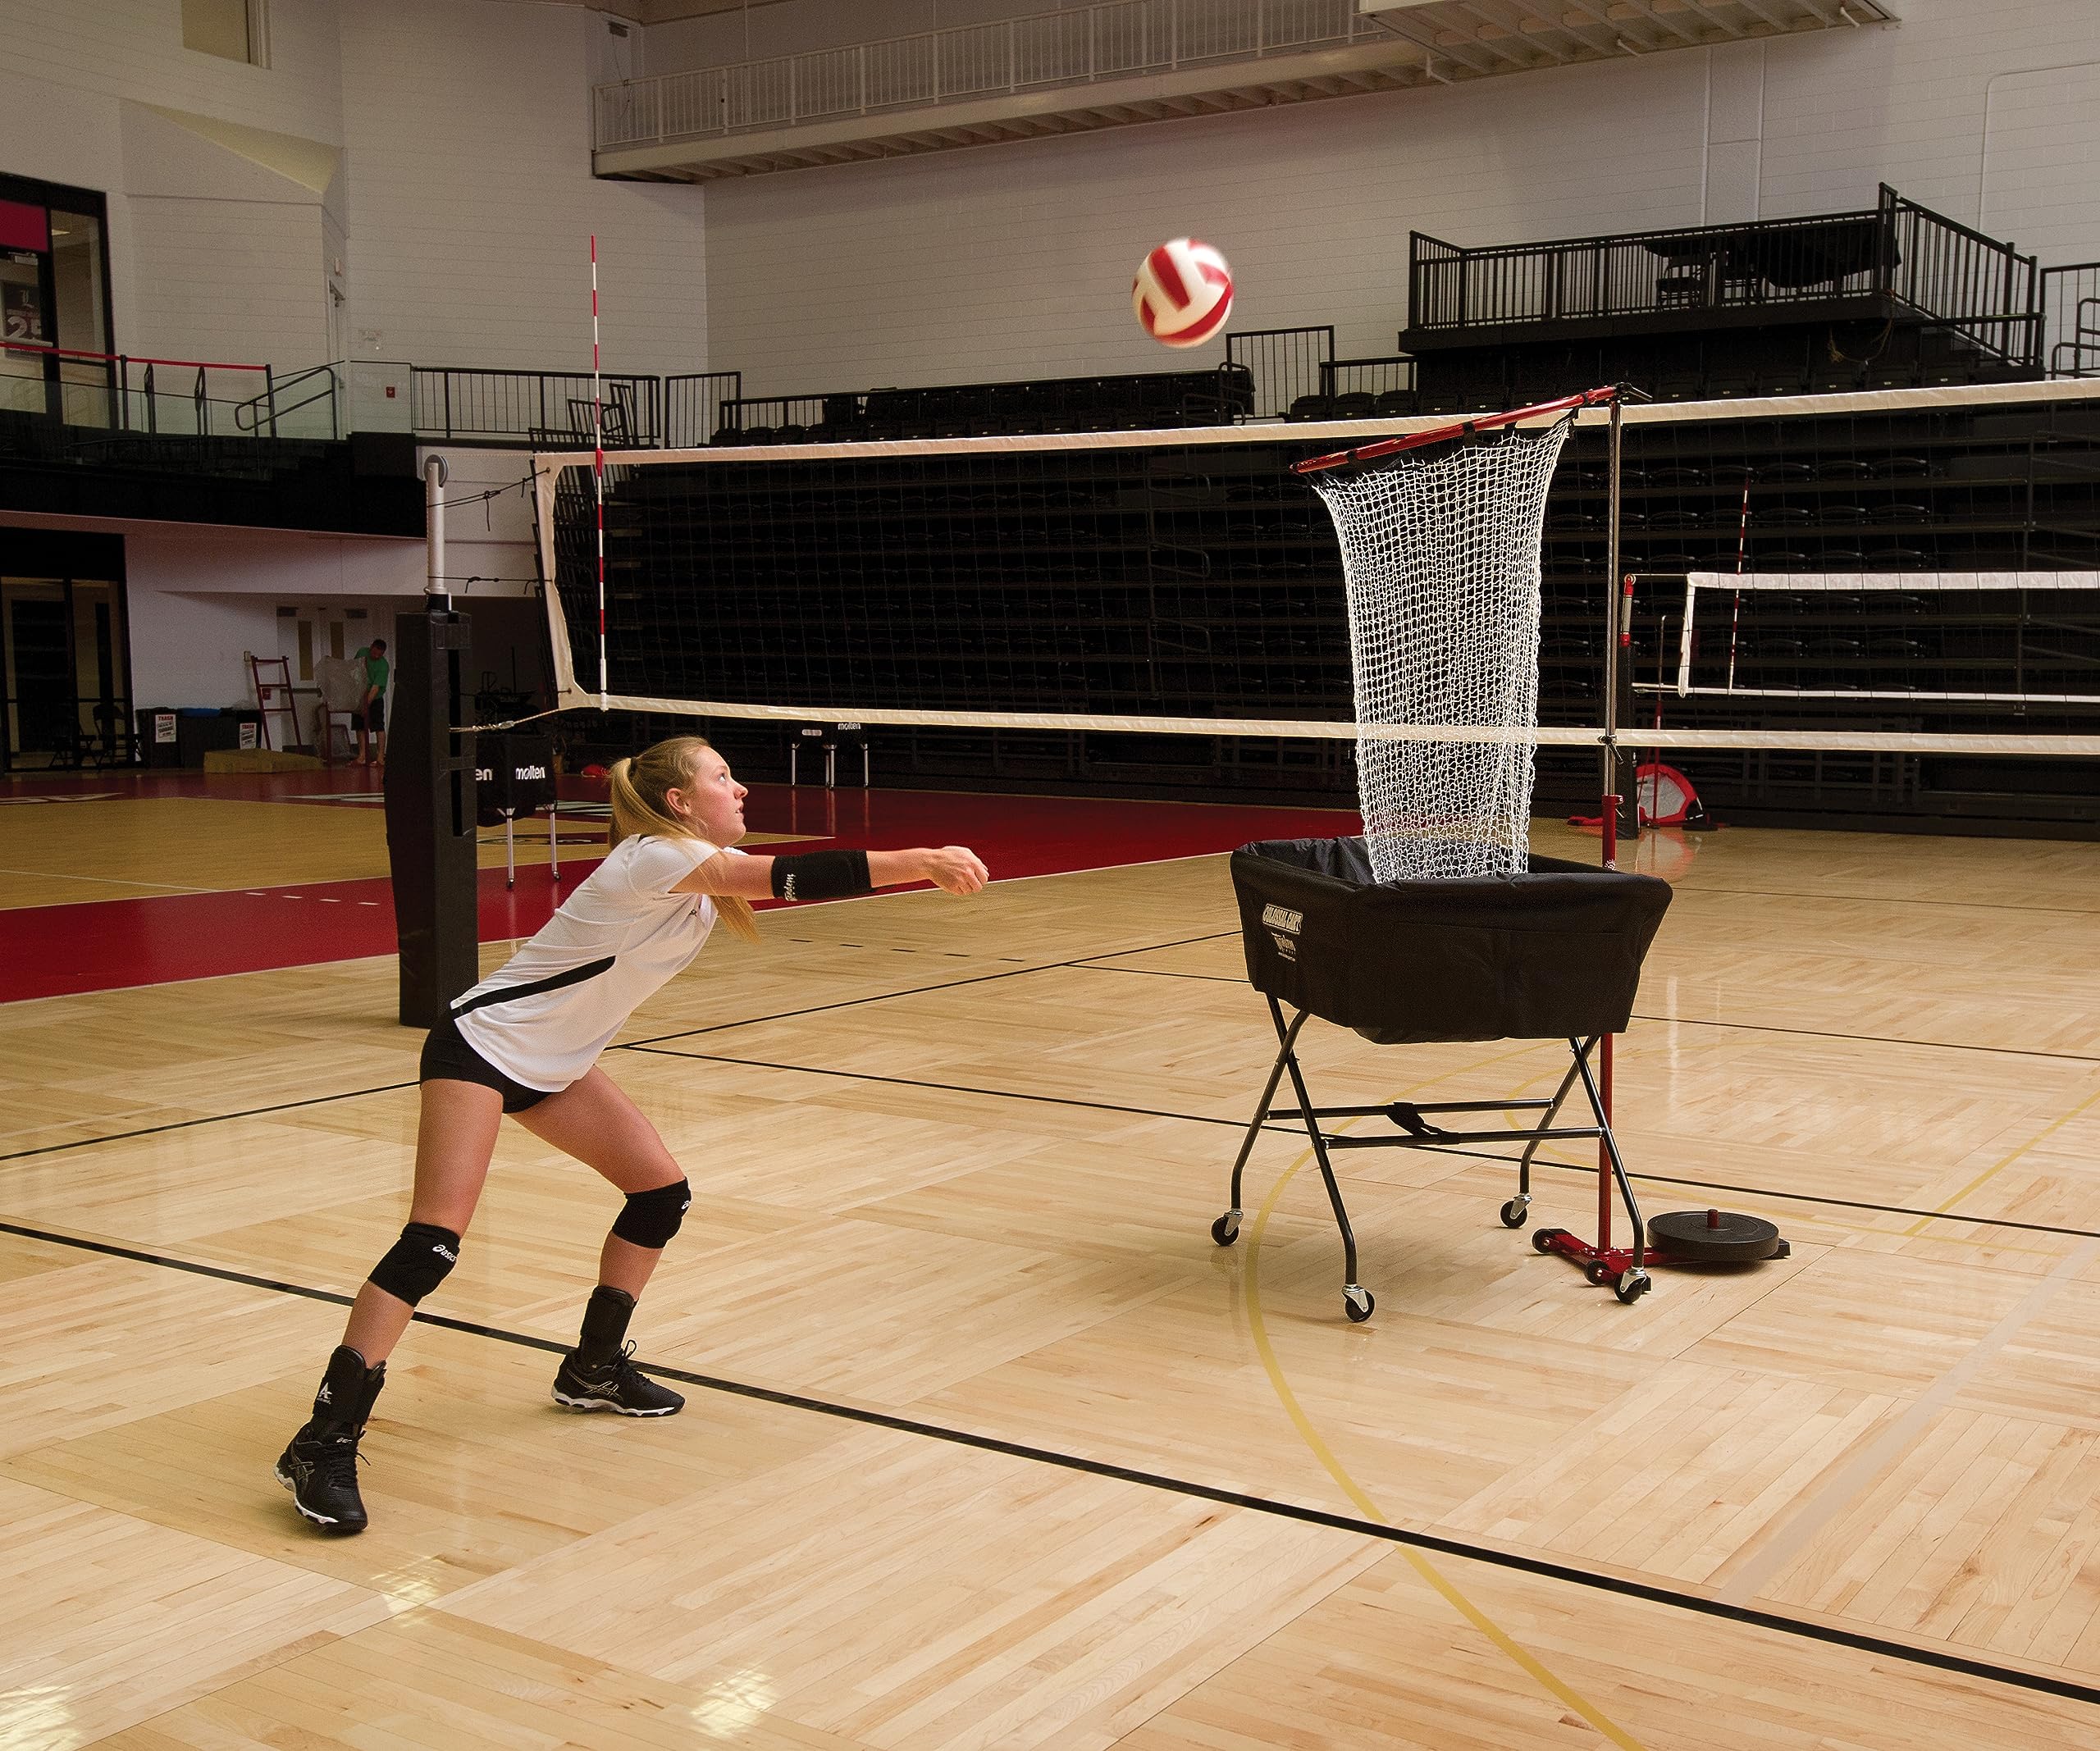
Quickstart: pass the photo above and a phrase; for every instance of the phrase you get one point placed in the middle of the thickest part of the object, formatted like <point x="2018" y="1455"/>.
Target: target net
<point x="1441" y="559"/>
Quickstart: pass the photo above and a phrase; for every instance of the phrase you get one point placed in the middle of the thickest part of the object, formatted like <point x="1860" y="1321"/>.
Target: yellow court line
<point x="2000" y="1166"/>
<point x="1325" y="1455"/>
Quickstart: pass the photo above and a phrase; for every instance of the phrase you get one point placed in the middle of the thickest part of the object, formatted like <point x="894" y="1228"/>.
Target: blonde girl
<point x="525" y="1042"/>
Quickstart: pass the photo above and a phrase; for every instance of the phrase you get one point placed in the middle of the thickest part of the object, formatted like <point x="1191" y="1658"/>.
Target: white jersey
<point x="543" y="1018"/>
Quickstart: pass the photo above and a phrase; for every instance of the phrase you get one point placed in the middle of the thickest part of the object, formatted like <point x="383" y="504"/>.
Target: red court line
<point x="108" y="945"/>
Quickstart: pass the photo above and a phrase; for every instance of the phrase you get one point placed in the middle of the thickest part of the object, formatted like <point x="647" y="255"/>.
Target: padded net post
<point x="1441" y="559"/>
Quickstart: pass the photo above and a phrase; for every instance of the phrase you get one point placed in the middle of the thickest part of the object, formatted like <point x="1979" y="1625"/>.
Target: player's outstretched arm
<point x="834" y="875"/>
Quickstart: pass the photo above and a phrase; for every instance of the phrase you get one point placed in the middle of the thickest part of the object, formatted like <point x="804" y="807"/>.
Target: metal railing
<point x="693" y="404"/>
<point x="1286" y="364"/>
<point x="1956" y="278"/>
<point x="535" y="407"/>
<point x="120" y="392"/>
<point x="304" y="405"/>
<point x="2070" y="307"/>
<point x="1222" y="395"/>
<point x="1359" y="387"/>
<point x="1080" y="46"/>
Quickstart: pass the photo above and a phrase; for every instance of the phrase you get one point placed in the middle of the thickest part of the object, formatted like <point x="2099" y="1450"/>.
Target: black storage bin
<point x="1552" y="954"/>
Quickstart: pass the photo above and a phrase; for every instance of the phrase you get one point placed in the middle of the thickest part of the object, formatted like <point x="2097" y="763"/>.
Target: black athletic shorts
<point x="447" y="1057"/>
<point x="375" y="713"/>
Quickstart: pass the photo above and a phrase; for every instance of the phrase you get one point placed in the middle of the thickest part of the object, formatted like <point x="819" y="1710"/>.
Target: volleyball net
<point x="1906" y="573"/>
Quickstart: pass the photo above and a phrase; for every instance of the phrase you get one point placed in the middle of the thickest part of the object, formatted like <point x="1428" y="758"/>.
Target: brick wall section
<point x="472" y="202"/>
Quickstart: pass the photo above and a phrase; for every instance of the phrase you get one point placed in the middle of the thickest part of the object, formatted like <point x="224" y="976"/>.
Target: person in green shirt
<point x="371" y="708"/>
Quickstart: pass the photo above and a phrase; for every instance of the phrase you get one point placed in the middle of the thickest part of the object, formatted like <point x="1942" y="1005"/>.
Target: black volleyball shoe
<point x="320" y="1466"/>
<point x="613" y="1384"/>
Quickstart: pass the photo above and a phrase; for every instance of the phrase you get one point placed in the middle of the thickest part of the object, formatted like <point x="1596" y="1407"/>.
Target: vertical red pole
<point x="1619" y="630"/>
<point x="1603" y="1055"/>
<point x="598" y="469"/>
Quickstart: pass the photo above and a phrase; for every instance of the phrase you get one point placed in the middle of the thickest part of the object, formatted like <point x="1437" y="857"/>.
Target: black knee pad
<point x="650" y="1219"/>
<point x="418" y="1262"/>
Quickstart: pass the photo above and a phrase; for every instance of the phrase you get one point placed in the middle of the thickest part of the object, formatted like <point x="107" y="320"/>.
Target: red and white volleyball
<point x="1183" y="292"/>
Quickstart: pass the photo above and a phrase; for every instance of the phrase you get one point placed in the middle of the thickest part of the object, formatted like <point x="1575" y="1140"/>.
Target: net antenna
<point x="598" y="465"/>
<point x="1441" y="555"/>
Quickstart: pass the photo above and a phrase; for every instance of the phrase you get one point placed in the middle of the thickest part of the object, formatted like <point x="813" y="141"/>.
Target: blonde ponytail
<point x="639" y="786"/>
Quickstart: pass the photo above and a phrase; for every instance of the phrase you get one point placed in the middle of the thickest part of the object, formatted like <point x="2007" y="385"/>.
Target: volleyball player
<point x="525" y="1042"/>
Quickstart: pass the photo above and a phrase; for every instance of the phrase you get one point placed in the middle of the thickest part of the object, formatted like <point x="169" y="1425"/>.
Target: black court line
<point x="1835" y="1203"/>
<point x="1682" y="1021"/>
<point x="753" y="1021"/>
<point x="918" y="990"/>
<point x="1648" y="1591"/>
<point x="184" y="1125"/>
<point x="997" y="1094"/>
<point x="653" y="1050"/>
<point x="1879" y="900"/>
<point x="1288" y="1129"/>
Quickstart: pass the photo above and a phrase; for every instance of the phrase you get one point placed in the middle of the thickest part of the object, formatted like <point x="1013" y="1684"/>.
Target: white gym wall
<point x="472" y="202"/>
<point x="453" y="141"/>
<point x="440" y="149"/>
<point x="1007" y="261"/>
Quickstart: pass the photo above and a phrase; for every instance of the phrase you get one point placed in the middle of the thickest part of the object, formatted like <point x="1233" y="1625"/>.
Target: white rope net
<point x="1441" y="559"/>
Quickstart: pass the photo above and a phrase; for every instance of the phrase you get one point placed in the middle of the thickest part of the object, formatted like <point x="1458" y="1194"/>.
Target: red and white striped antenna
<point x="598" y="469"/>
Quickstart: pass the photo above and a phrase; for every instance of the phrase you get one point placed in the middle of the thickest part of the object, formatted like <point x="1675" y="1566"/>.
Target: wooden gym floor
<point x="987" y="1444"/>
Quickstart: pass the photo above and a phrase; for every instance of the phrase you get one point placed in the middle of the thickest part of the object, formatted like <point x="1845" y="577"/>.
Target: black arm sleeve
<point x="821" y="875"/>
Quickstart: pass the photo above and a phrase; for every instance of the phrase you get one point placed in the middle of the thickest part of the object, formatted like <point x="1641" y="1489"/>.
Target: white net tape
<point x="1441" y="559"/>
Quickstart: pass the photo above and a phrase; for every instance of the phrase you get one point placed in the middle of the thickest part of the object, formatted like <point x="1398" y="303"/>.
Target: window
<point x="234" y="29"/>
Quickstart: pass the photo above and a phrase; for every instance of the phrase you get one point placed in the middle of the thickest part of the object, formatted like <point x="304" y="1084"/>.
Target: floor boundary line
<point x="995" y="1094"/>
<point x="1687" y="1021"/>
<point x="1013" y="1094"/>
<point x="352" y="1094"/>
<point x="1288" y="1129"/>
<point x="1544" y="1568"/>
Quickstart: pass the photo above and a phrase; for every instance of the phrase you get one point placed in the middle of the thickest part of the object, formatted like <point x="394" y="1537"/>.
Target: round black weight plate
<point x="1711" y="1236"/>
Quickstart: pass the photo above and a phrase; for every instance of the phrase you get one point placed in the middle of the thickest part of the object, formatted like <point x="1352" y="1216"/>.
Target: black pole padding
<point x="430" y="838"/>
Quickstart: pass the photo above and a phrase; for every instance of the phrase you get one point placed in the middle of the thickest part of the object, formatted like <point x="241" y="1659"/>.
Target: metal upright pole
<point x="435" y="477"/>
<point x="1609" y="822"/>
<point x="1609" y="768"/>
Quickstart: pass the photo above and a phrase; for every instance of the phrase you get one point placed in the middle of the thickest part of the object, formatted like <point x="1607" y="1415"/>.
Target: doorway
<point x="65" y="652"/>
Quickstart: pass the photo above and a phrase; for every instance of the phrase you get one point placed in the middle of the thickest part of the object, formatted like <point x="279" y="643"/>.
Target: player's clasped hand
<point x="957" y="868"/>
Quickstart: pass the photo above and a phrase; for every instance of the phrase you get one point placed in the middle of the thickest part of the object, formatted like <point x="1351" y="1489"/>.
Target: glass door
<point x="54" y="301"/>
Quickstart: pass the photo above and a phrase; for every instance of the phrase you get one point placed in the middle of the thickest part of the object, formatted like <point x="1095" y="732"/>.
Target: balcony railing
<point x="1897" y="252"/>
<point x="164" y="397"/>
<point x="2070" y="299"/>
<point x="1081" y="47"/>
<point x="460" y="405"/>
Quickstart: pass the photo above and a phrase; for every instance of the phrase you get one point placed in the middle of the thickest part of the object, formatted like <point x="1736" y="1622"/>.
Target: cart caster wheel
<point x="1598" y="1272"/>
<point x="1632" y="1286"/>
<point x="1514" y="1211"/>
<point x="1358" y="1303"/>
<point x="1542" y="1239"/>
<point x="1226" y="1229"/>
